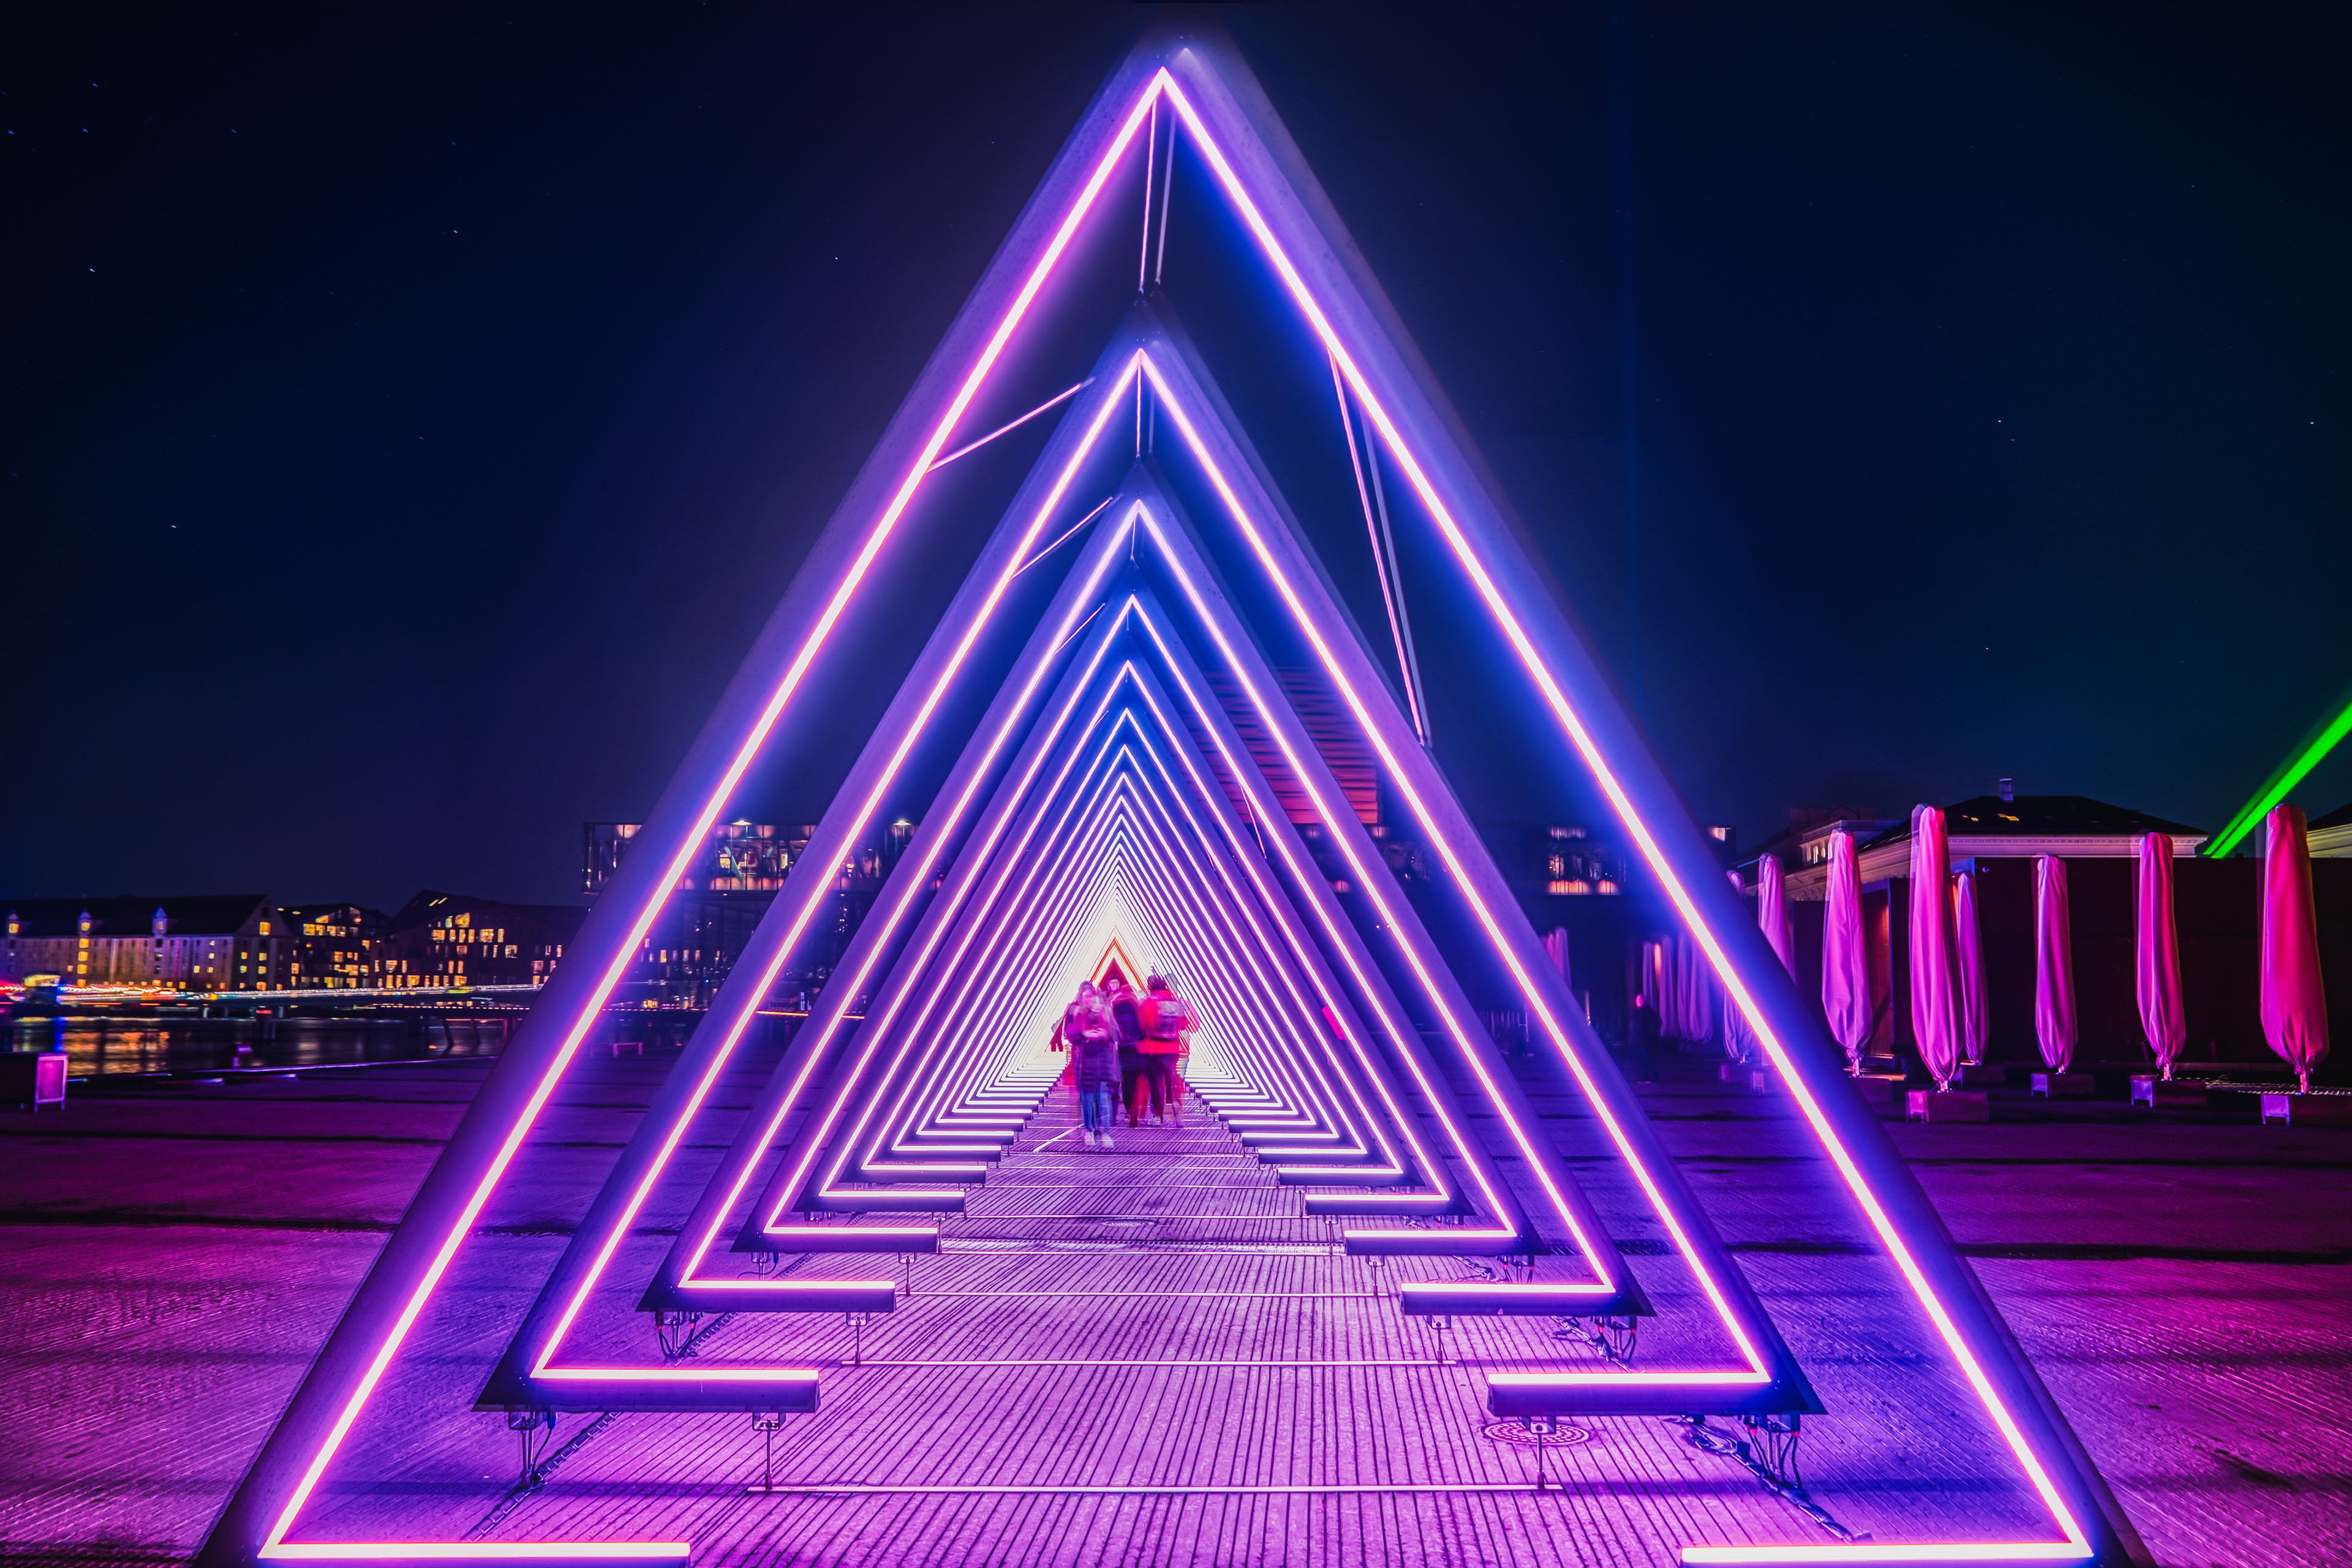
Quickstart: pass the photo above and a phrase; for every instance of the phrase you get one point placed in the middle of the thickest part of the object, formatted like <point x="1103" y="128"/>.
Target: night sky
<point x="411" y="415"/>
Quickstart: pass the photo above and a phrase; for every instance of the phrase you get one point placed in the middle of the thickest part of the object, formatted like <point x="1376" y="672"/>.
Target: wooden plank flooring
<point x="1152" y="1352"/>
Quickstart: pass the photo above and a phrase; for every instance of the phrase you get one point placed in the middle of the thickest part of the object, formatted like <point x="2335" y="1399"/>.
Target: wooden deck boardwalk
<point x="1147" y="1354"/>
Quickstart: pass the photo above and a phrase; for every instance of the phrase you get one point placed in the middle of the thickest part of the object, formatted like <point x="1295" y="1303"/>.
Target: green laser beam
<point x="2291" y="773"/>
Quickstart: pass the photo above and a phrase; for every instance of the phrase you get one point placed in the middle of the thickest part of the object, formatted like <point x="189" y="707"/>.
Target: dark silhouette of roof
<point x="2341" y="817"/>
<point x="2040" y="817"/>
<point x="130" y="914"/>
<point x="430" y="905"/>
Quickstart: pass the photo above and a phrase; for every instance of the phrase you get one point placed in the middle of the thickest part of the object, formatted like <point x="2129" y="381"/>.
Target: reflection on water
<point x="96" y="1046"/>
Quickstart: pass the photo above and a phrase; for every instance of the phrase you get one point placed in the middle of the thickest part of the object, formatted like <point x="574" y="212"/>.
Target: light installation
<point x="1144" y="793"/>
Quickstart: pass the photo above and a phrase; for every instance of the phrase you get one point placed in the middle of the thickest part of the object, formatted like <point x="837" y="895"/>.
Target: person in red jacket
<point x="1167" y="1019"/>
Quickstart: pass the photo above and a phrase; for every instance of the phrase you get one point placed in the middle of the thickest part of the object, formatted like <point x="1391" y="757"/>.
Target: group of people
<point x="1124" y="1048"/>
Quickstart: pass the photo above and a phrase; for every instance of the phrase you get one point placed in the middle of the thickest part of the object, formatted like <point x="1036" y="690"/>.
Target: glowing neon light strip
<point x="1049" y="858"/>
<point x="1171" y="848"/>
<point x="786" y="1104"/>
<point x="1245" y="770"/>
<point x="1424" y="968"/>
<point x="626" y="954"/>
<point x="1431" y="1169"/>
<point x="808" y="903"/>
<point x="1685" y="906"/>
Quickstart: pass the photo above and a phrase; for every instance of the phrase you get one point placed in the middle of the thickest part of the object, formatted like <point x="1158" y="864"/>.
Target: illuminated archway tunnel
<point x="1364" y="1165"/>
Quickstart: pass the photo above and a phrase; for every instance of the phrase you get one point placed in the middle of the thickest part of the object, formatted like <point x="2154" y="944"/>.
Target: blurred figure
<point x="1094" y="1048"/>
<point x="1062" y="1041"/>
<point x="1641" y="1039"/>
<point x="1127" y="1015"/>
<point x="1167" y="1019"/>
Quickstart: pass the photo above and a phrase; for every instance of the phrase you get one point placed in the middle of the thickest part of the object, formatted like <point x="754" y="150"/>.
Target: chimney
<point x="2008" y="789"/>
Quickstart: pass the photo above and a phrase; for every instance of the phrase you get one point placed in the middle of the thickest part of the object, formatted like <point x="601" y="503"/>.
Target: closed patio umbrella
<point x="2156" y="955"/>
<point x="1555" y="946"/>
<point x="1772" y="911"/>
<point x="1845" y="959"/>
<point x="2294" y="1005"/>
<point x="1694" y="991"/>
<point x="1968" y="949"/>
<point x="1669" y="987"/>
<point x="2053" y="965"/>
<point x="1933" y="1024"/>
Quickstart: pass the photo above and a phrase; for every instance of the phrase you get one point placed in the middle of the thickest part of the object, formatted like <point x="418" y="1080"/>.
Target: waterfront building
<point x="739" y="857"/>
<point x="222" y="942"/>
<point x="717" y="902"/>
<point x="456" y="939"/>
<point x="334" y="946"/>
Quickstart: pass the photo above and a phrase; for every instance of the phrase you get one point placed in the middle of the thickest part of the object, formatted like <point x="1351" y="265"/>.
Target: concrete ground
<point x="173" y="1254"/>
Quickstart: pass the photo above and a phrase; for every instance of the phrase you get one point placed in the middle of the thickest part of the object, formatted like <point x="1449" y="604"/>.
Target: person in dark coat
<point x="1642" y="1039"/>
<point x="1126" y="1013"/>
<point x="1094" y="1048"/>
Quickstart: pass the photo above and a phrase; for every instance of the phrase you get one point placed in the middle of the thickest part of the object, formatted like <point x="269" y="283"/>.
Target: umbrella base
<point x="2308" y="1109"/>
<point x="1948" y="1105"/>
<point x="1878" y="1088"/>
<point x="2150" y="1093"/>
<point x="1982" y="1075"/>
<point x="2064" y="1085"/>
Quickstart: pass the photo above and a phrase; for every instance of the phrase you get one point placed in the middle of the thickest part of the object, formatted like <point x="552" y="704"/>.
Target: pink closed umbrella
<point x="2295" y="1003"/>
<point x="1555" y="946"/>
<point x="1968" y="948"/>
<point x="1933" y="1023"/>
<point x="2053" y="965"/>
<point x="1845" y="959"/>
<point x="1695" y="996"/>
<point x="1772" y="911"/>
<point x="2156" y="955"/>
<point x="1674" y="990"/>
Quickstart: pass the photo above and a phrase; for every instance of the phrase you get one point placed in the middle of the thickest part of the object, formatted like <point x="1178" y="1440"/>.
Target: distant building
<point x="1806" y="839"/>
<point x="741" y="857"/>
<point x="695" y="941"/>
<point x="334" y="946"/>
<point x="2072" y="827"/>
<point x="231" y="941"/>
<point x="1557" y="860"/>
<point x="719" y="901"/>
<point x="2331" y="836"/>
<point x="454" y="938"/>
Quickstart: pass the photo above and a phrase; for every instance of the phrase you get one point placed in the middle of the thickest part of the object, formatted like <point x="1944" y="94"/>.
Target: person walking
<point x="1094" y="1048"/>
<point x="1167" y="1018"/>
<point x="1642" y="1039"/>
<point x="1127" y="1015"/>
<point x="1061" y="1042"/>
